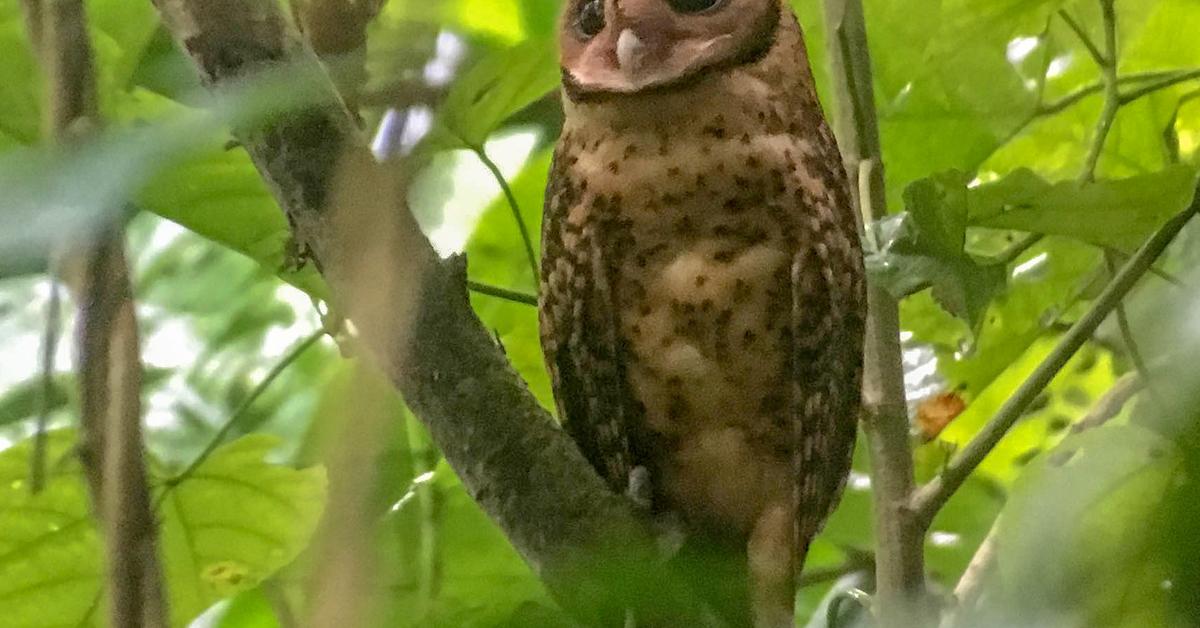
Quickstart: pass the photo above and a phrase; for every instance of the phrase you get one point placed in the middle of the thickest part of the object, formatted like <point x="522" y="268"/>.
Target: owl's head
<point x="614" y="47"/>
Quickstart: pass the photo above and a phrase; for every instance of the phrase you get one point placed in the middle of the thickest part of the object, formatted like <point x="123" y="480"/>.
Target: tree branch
<point x="337" y="32"/>
<point x="110" y="369"/>
<point x="134" y="579"/>
<point x="414" y="317"/>
<point x="930" y="498"/>
<point x="900" y="569"/>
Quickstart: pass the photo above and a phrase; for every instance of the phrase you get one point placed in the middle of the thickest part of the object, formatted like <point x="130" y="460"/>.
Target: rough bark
<point x="413" y="315"/>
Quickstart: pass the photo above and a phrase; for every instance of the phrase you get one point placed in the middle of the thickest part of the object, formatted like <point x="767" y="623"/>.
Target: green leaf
<point x="231" y="524"/>
<point x="1116" y="213"/>
<point x="236" y="520"/>
<point x="1073" y="538"/>
<point x="249" y="609"/>
<point x="50" y="556"/>
<point x="25" y="399"/>
<point x="925" y="248"/>
<point x="498" y="86"/>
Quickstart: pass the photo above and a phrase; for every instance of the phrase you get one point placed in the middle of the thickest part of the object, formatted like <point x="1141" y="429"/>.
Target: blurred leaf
<point x="483" y="580"/>
<point x="24" y="400"/>
<point x="20" y="82"/>
<point x="498" y="86"/>
<point x="1073" y="542"/>
<point x="236" y="520"/>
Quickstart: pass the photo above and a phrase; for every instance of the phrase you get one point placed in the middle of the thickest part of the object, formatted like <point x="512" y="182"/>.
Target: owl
<point x="702" y="306"/>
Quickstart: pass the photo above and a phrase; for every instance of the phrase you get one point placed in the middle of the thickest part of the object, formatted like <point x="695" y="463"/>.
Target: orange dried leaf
<point x="937" y="412"/>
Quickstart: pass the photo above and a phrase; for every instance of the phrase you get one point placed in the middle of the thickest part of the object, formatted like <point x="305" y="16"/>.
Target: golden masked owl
<point x="703" y="301"/>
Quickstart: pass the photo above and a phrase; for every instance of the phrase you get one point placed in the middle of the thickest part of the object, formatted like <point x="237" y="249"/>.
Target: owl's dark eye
<point x="591" y="18"/>
<point x="694" y="6"/>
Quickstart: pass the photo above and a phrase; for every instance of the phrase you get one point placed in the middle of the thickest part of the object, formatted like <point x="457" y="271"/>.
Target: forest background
<point x="1040" y="166"/>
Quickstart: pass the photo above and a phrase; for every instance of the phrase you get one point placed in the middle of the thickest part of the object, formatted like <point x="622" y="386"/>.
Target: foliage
<point x="988" y="110"/>
<point x="226" y="527"/>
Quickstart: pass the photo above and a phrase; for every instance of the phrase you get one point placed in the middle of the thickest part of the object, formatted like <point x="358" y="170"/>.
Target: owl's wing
<point x="578" y="320"/>
<point x="828" y="321"/>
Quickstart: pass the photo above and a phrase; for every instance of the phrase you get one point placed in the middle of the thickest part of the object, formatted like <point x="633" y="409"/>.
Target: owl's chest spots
<point x="705" y="324"/>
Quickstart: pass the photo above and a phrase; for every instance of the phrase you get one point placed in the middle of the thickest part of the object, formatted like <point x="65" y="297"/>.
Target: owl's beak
<point x="631" y="53"/>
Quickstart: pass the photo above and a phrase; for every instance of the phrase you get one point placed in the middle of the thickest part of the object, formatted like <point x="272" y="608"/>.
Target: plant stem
<point x="37" y="463"/>
<point x="900" y="568"/>
<point x="243" y="407"/>
<point x="1164" y="83"/>
<point x="1112" y="94"/>
<point x="1113" y="102"/>
<point x="526" y="240"/>
<point x="930" y="498"/>
<point x="503" y="293"/>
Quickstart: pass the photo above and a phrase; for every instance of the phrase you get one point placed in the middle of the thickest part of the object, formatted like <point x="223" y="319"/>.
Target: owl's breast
<point x="699" y="241"/>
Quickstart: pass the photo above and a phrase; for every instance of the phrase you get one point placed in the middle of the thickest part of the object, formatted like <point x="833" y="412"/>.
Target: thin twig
<point x="236" y="418"/>
<point x="37" y="463"/>
<point x="1112" y="94"/>
<point x="1111" y="404"/>
<point x="970" y="586"/>
<point x="855" y="562"/>
<point x="503" y="293"/>
<point x="1093" y="50"/>
<point x="1164" y="79"/>
<point x="1126" y="328"/>
<point x="1165" y="83"/>
<point x="428" y="499"/>
<point x="1155" y="270"/>
<point x="526" y="240"/>
<point x="1108" y="63"/>
<point x="930" y="498"/>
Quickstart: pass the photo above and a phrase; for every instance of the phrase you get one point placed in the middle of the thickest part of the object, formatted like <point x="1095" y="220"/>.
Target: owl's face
<point x="630" y="46"/>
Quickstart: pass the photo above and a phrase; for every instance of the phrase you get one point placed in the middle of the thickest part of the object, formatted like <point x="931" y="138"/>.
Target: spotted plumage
<point x="703" y="300"/>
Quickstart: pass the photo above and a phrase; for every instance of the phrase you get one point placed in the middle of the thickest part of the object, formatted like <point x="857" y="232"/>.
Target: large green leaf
<point x="224" y="529"/>
<point x="1073" y="540"/>
<point x="234" y="521"/>
<point x="50" y="553"/>
<point x="1119" y="213"/>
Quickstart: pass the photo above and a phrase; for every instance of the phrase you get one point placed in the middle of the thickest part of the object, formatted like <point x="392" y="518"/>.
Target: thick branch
<point x="413" y="315"/>
<point x="900" y="570"/>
